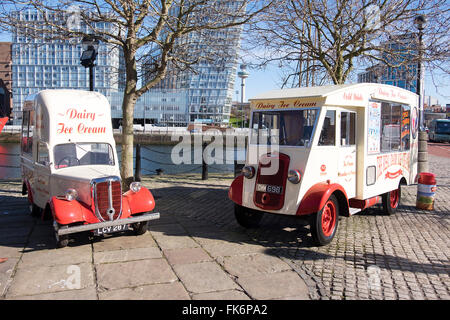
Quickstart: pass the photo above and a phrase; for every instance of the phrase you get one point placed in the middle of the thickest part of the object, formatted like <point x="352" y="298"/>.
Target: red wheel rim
<point x="393" y="196"/>
<point x="328" y="218"/>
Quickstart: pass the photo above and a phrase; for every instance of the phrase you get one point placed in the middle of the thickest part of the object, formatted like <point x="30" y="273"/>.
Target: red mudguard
<point x="236" y="189"/>
<point x="317" y="195"/>
<point x="66" y="212"/>
<point x="137" y="202"/>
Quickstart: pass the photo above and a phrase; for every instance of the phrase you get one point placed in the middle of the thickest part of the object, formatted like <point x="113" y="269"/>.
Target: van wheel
<point x="248" y="218"/>
<point x="61" y="241"/>
<point x="140" y="228"/>
<point x="325" y="222"/>
<point x="35" y="211"/>
<point x="391" y="201"/>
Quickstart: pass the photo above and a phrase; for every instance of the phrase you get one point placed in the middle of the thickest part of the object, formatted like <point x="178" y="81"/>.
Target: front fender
<point x="66" y="212"/>
<point x="236" y="189"/>
<point x="138" y="202"/>
<point x="318" y="194"/>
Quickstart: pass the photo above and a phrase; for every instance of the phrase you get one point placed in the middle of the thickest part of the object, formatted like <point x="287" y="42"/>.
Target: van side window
<point x="348" y="128"/>
<point x="405" y="133"/>
<point x="27" y="133"/>
<point x="390" y="127"/>
<point x="43" y="153"/>
<point x="328" y="134"/>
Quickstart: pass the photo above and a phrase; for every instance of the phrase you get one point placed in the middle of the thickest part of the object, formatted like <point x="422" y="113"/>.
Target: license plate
<point x="269" y="188"/>
<point x="111" y="229"/>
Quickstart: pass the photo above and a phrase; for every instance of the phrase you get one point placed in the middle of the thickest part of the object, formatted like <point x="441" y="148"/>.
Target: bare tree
<point x="158" y="29"/>
<point x="325" y="40"/>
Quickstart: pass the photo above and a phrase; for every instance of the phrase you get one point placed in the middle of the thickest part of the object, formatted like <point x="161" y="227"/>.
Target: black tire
<point x="140" y="228"/>
<point x="391" y="201"/>
<point x="61" y="241"/>
<point x="325" y="222"/>
<point x="35" y="211"/>
<point x="246" y="217"/>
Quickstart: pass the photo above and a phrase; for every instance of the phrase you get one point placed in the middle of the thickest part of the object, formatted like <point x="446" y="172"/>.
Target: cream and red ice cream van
<point x="70" y="168"/>
<point x="325" y="152"/>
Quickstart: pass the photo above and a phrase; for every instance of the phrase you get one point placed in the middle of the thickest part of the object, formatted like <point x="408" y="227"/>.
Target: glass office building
<point x="163" y="107"/>
<point x="210" y="82"/>
<point x="39" y="64"/>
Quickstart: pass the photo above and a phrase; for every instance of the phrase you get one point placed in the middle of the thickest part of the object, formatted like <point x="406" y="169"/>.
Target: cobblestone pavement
<point x="197" y="251"/>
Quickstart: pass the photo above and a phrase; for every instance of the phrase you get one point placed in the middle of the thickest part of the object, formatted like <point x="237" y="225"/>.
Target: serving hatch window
<point x="81" y="154"/>
<point x="287" y="127"/>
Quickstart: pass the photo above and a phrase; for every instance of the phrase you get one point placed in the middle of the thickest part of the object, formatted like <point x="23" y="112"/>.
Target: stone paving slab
<point x="83" y="294"/>
<point x="133" y="273"/>
<point x="162" y="291"/>
<point x="253" y="264"/>
<point x="204" y="277"/>
<point x="186" y="256"/>
<point x="126" y="255"/>
<point x="49" y="279"/>
<point x="222" y="295"/>
<point x="275" y="285"/>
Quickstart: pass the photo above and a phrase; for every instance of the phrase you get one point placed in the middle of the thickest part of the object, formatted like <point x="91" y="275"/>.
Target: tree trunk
<point x="128" y="104"/>
<point x="126" y="169"/>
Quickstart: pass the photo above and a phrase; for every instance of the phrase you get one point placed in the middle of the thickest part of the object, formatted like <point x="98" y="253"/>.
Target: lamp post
<point x="243" y="74"/>
<point x="420" y="22"/>
<point x="90" y="47"/>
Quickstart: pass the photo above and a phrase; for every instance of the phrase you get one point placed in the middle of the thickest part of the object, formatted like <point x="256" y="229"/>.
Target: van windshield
<point x="443" y="127"/>
<point x="82" y="154"/>
<point x="288" y="128"/>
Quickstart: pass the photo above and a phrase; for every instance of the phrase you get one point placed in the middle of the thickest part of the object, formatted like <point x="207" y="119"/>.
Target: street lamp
<point x="90" y="47"/>
<point x="420" y="22"/>
<point x="243" y="74"/>
<point x="422" y="163"/>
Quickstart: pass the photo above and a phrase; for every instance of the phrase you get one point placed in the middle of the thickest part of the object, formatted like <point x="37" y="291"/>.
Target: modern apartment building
<point x="400" y="51"/>
<point x="39" y="64"/>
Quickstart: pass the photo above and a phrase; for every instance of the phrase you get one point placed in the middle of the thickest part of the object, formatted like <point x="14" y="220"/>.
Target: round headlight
<point x="135" y="186"/>
<point x="294" y="176"/>
<point x="248" y="172"/>
<point x="71" y="194"/>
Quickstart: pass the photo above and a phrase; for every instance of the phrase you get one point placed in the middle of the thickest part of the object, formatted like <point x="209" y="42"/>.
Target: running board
<point x="353" y="211"/>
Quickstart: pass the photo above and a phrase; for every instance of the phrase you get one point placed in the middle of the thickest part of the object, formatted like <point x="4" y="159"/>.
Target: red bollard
<point x="426" y="190"/>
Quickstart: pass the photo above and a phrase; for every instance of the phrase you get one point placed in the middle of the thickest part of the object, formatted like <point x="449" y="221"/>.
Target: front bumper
<point x="93" y="226"/>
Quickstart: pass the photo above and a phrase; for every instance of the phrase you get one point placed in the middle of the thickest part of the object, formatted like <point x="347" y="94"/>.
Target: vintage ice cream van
<point x="70" y="168"/>
<point x="325" y="152"/>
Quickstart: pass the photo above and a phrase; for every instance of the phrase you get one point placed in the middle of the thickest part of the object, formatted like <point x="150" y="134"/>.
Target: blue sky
<point x="264" y="80"/>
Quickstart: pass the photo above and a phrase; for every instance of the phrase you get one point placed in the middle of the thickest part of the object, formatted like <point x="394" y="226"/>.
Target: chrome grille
<point x="107" y="198"/>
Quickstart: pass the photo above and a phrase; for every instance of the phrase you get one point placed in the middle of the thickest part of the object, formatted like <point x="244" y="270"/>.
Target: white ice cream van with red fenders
<point x="325" y="152"/>
<point x="70" y="168"/>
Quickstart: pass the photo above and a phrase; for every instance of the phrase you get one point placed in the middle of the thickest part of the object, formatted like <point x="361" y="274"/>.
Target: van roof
<point x="303" y="92"/>
<point x="358" y="94"/>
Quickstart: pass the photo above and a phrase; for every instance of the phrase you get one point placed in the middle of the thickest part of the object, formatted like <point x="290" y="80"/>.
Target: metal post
<point x="204" y="164"/>
<point x="137" y="169"/>
<point x="422" y="165"/>
<point x="91" y="77"/>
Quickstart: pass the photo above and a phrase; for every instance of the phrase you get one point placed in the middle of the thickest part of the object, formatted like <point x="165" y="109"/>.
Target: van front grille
<point x="108" y="198"/>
